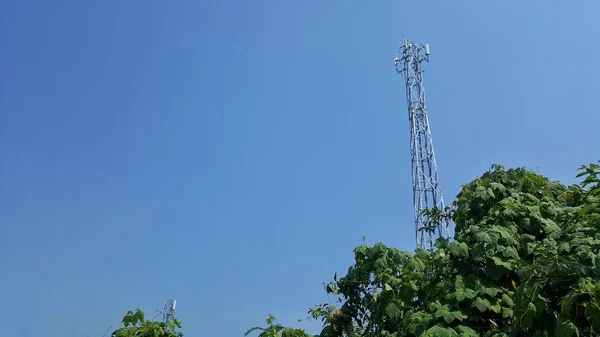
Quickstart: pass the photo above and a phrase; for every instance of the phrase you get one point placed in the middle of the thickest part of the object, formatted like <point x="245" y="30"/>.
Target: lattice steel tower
<point x="427" y="193"/>
<point x="169" y="310"/>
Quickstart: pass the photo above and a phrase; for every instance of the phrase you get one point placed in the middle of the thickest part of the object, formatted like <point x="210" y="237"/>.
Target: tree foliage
<point x="276" y="330"/>
<point x="136" y="325"/>
<point x="524" y="261"/>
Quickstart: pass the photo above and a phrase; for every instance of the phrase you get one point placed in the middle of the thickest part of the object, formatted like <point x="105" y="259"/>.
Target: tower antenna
<point x="427" y="193"/>
<point x="169" y="311"/>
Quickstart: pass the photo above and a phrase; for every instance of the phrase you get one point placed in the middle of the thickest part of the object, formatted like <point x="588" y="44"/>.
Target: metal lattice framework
<point x="169" y="310"/>
<point x="427" y="193"/>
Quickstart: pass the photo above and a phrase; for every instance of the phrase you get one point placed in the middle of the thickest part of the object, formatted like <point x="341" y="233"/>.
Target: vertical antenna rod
<point x="427" y="193"/>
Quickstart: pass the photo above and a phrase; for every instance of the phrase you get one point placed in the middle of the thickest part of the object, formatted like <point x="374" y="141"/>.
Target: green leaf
<point x="458" y="249"/>
<point x="483" y="237"/>
<point x="507" y="300"/>
<point x="481" y="304"/>
<point x="507" y="313"/>
<point x="496" y="308"/>
<point x="439" y="331"/>
<point x="458" y="315"/>
<point x="510" y="253"/>
<point x="417" y="322"/>
<point x="249" y="331"/>
<point x="566" y="329"/>
<point x="393" y="311"/>
<point x="289" y="332"/>
<point x="461" y="292"/>
<point x="445" y="314"/>
<point x="499" y="262"/>
<point x="465" y="331"/>
<point x="490" y="291"/>
<point x="498" y="268"/>
<point x="459" y="284"/>
<point x="593" y="310"/>
<point x="381" y="263"/>
<point x="469" y="294"/>
<point x="498" y="187"/>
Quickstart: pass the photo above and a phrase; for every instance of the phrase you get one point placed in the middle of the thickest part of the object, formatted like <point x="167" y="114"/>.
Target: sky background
<point x="231" y="154"/>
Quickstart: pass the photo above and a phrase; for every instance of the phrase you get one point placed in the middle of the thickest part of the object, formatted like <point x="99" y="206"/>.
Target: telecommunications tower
<point x="169" y="310"/>
<point x="427" y="193"/>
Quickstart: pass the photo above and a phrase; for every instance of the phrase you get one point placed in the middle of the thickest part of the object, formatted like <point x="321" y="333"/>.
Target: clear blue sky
<point x="232" y="153"/>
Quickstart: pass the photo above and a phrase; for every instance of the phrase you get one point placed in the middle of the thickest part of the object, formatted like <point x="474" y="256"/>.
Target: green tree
<point x="135" y="324"/>
<point x="524" y="262"/>
<point x="276" y="330"/>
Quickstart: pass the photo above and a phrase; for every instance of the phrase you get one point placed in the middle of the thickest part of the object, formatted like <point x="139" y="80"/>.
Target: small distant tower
<point x="427" y="193"/>
<point x="169" y="310"/>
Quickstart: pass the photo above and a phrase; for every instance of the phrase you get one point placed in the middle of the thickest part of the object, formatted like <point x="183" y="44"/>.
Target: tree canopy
<point x="276" y="330"/>
<point x="135" y="324"/>
<point x="524" y="261"/>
